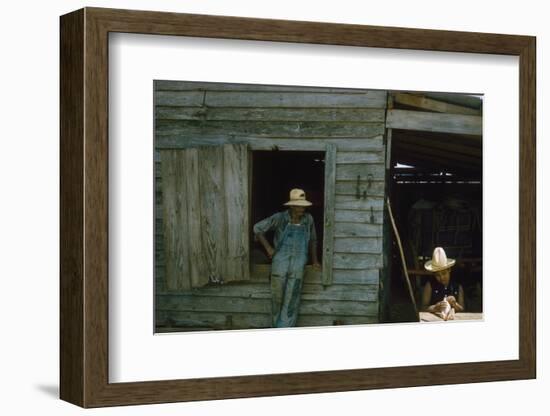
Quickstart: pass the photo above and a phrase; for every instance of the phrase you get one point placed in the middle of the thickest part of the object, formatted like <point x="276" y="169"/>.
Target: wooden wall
<point x="189" y="114"/>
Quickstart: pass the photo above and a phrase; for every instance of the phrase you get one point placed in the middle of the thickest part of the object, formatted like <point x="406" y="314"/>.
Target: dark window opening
<point x="274" y="174"/>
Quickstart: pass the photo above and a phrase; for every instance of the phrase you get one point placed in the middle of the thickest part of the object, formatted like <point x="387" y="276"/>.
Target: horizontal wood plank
<point x="268" y="128"/>
<point x="172" y="85"/>
<point x="186" y="320"/>
<point x="364" y="171"/>
<point x="349" y="229"/>
<point x="191" y="320"/>
<point x="426" y="103"/>
<point x="435" y="122"/>
<point x="360" y="157"/>
<point x="257" y="290"/>
<point x="346" y="202"/>
<point x="356" y="276"/>
<point x="464" y="100"/>
<point x="350" y="144"/>
<point x="358" y="245"/>
<point x="251" y="305"/>
<point x="373" y="188"/>
<point x="357" y="261"/>
<point x="366" y="99"/>
<point x="260" y="274"/>
<point x="366" y="115"/>
<point x="359" y="216"/>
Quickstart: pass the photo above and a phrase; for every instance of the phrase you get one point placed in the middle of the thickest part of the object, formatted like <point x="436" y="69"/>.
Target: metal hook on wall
<point x="369" y="184"/>
<point x="203" y="109"/>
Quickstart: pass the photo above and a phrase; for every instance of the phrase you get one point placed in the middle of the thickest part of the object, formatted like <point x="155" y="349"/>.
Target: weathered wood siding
<point x="286" y="118"/>
<point x="205" y="193"/>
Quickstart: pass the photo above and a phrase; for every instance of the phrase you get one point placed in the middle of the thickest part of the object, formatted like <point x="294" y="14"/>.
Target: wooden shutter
<point x="330" y="191"/>
<point x="205" y="210"/>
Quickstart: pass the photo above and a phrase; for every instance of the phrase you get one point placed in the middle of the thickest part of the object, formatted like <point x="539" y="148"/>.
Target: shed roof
<point x="437" y="131"/>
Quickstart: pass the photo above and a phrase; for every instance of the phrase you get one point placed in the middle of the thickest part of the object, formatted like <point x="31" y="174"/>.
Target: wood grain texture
<point x="350" y="172"/>
<point x="197" y="267"/>
<point x="425" y="103"/>
<point x="252" y="305"/>
<point x="267" y="128"/>
<point x="71" y="218"/>
<point x="329" y="209"/>
<point x="370" y="245"/>
<point x="171" y="85"/>
<point x="262" y="290"/>
<point x="180" y="321"/>
<point x="527" y="210"/>
<point x="359" y="216"/>
<point x="204" y="204"/>
<point x="436" y="122"/>
<point x="176" y="220"/>
<point x="84" y="292"/>
<point x="345" y="143"/>
<point x="236" y="184"/>
<point x="96" y="218"/>
<point x="212" y="202"/>
<point x="219" y="110"/>
<point x="275" y="99"/>
<point x="349" y="229"/>
<point x="375" y="115"/>
<point x="161" y="23"/>
<point x="373" y="188"/>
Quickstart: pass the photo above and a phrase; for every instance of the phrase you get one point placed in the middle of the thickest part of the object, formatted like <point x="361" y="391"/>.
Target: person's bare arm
<point x="268" y="248"/>
<point x="458" y="305"/>
<point x="313" y="243"/>
<point x="426" y="296"/>
<point x="260" y="228"/>
<point x="461" y="299"/>
<point x="313" y="254"/>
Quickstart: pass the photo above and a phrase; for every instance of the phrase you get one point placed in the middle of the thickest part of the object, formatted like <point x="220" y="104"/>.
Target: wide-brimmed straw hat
<point x="439" y="261"/>
<point x="298" y="198"/>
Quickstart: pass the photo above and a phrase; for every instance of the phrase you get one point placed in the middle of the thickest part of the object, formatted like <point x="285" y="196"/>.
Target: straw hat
<point x="298" y="198"/>
<point x="439" y="261"/>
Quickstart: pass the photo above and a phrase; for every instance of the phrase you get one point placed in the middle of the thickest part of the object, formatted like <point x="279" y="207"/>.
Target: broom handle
<point x="402" y="259"/>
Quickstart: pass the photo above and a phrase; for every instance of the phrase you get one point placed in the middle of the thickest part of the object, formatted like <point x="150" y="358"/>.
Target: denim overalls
<point x="287" y="271"/>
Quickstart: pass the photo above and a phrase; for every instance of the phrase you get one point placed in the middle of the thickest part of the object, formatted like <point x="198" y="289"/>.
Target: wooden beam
<point x="255" y="99"/>
<point x="438" y="152"/>
<point x="421" y="160"/>
<point x="421" y="101"/>
<point x="464" y="147"/>
<point x="466" y="100"/>
<point x="436" y="122"/>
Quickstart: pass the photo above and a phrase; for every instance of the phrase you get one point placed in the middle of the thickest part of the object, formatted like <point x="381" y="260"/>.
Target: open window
<point x="275" y="173"/>
<point x="211" y="197"/>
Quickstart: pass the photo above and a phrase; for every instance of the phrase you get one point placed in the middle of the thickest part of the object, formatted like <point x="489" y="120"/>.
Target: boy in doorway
<point x="294" y="235"/>
<point x="443" y="296"/>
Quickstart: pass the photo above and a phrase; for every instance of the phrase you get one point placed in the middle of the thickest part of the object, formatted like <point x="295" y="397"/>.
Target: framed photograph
<point x="254" y="207"/>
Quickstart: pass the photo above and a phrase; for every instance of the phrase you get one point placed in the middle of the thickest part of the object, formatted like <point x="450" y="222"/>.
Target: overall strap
<point x="280" y="242"/>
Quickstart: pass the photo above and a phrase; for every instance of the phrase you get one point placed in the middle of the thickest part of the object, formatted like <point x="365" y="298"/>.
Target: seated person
<point x="442" y="296"/>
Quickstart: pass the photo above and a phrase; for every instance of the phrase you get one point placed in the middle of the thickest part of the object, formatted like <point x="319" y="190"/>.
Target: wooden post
<point x="330" y="190"/>
<point x="403" y="263"/>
